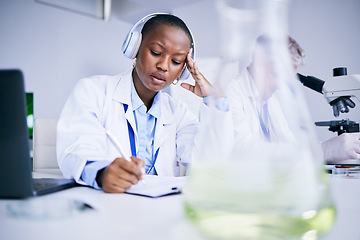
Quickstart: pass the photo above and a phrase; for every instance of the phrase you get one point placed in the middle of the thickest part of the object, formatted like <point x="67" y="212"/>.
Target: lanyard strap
<point x="152" y="166"/>
<point x="131" y="135"/>
<point x="132" y="142"/>
<point x="262" y="124"/>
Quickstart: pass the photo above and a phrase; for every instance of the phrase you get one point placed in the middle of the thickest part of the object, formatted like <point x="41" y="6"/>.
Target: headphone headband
<point x="133" y="39"/>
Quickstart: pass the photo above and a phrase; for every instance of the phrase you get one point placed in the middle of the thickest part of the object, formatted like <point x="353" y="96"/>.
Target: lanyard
<point x="132" y="142"/>
<point x="152" y="166"/>
<point x="262" y="124"/>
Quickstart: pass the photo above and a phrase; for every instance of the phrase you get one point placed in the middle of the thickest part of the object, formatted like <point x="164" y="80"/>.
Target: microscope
<point x="339" y="92"/>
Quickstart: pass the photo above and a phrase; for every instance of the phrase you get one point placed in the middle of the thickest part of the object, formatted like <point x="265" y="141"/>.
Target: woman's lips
<point x="158" y="78"/>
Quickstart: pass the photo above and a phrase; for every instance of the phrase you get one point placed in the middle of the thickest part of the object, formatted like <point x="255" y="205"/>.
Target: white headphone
<point x="132" y="42"/>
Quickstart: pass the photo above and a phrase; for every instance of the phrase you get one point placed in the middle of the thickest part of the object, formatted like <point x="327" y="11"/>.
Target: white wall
<point x="54" y="48"/>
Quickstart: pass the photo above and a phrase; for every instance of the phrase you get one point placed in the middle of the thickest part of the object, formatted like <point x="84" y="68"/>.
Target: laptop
<point x="15" y="166"/>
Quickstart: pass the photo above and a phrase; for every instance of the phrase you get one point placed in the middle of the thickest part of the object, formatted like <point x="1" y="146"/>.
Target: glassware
<point x="258" y="174"/>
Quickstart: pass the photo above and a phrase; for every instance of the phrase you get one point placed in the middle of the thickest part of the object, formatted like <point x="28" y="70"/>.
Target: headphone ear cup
<point x="184" y="74"/>
<point x="132" y="45"/>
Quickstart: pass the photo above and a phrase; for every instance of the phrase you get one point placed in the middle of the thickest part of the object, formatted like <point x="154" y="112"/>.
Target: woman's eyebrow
<point x="158" y="44"/>
<point x="180" y="54"/>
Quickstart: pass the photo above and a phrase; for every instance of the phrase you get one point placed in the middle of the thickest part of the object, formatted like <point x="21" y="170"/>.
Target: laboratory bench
<point x="125" y="216"/>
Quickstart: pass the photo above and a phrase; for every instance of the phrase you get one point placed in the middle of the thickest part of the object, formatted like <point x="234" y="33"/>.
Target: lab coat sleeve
<point x="216" y="132"/>
<point x="80" y="134"/>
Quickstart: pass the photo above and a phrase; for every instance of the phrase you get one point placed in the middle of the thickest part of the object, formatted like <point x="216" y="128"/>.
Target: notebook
<point x="158" y="186"/>
<point x="15" y="167"/>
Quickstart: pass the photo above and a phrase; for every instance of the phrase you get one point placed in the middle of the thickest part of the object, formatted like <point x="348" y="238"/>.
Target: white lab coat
<point x="96" y="104"/>
<point x="243" y="99"/>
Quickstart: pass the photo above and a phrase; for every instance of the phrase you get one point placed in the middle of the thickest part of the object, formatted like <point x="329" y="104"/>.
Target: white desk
<point x="123" y="216"/>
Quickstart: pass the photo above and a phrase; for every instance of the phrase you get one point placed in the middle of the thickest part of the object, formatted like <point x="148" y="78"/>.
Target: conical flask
<point x="257" y="174"/>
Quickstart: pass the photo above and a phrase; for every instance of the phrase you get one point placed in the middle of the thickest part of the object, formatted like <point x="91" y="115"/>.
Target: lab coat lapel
<point x="122" y="94"/>
<point x="163" y="122"/>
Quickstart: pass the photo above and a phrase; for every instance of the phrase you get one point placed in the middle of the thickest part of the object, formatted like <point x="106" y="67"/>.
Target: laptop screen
<point x="15" y="170"/>
<point x="30" y="113"/>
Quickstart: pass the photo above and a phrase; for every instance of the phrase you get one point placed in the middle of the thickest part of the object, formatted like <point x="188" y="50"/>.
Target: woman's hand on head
<point x="121" y="174"/>
<point x="202" y="86"/>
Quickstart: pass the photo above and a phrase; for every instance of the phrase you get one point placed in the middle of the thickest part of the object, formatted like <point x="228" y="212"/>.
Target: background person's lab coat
<point x="244" y="100"/>
<point x="96" y="104"/>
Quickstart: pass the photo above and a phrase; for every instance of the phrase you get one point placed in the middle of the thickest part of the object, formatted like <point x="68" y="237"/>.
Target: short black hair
<point x="169" y="20"/>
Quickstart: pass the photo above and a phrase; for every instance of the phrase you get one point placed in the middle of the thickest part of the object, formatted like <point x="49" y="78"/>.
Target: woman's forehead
<point x="168" y="35"/>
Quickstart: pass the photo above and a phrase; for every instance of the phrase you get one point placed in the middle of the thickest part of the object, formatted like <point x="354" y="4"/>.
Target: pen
<point x="119" y="147"/>
<point x="117" y="144"/>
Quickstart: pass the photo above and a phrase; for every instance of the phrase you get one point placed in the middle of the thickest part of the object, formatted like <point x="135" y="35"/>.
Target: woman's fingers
<point x="202" y="86"/>
<point x="134" y="167"/>
<point x="188" y="86"/>
<point x="121" y="174"/>
<point x="140" y="163"/>
<point x="190" y="62"/>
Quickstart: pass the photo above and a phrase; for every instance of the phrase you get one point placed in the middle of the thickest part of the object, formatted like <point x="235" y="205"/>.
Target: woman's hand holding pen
<point x="120" y="175"/>
<point x="202" y="86"/>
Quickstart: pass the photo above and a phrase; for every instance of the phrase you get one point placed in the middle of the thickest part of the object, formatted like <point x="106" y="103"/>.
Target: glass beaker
<point x="258" y="174"/>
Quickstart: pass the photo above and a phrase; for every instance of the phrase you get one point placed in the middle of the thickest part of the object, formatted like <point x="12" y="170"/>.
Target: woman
<point x="153" y="128"/>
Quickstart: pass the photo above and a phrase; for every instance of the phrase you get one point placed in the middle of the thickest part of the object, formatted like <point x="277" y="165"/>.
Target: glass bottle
<point x="263" y="180"/>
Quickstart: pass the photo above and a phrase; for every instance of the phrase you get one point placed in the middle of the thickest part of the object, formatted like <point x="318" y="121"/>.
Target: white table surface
<point x="124" y="216"/>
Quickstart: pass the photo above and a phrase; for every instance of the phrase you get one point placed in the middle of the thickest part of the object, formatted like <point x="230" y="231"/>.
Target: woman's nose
<point x="163" y="64"/>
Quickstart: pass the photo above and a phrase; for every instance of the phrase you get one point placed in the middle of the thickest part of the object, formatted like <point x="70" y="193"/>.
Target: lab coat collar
<point x="155" y="108"/>
<point x="250" y="88"/>
<point x="137" y="102"/>
<point x="122" y="92"/>
<point x="135" y="99"/>
<point x="125" y="88"/>
<point x="249" y="85"/>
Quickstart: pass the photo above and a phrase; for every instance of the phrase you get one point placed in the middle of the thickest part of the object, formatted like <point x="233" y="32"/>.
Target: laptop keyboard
<point x="41" y="183"/>
<point x="45" y="183"/>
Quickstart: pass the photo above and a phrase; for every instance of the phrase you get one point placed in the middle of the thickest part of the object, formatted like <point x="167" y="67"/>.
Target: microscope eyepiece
<point x="311" y="82"/>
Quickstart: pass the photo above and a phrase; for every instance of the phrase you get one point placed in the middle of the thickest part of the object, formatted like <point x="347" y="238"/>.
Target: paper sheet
<point x="157" y="186"/>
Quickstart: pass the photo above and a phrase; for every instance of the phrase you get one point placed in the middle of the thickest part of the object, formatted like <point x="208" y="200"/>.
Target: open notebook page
<point x="157" y="186"/>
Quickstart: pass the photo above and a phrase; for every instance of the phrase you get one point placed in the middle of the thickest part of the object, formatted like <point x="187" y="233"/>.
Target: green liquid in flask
<point x="228" y="214"/>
